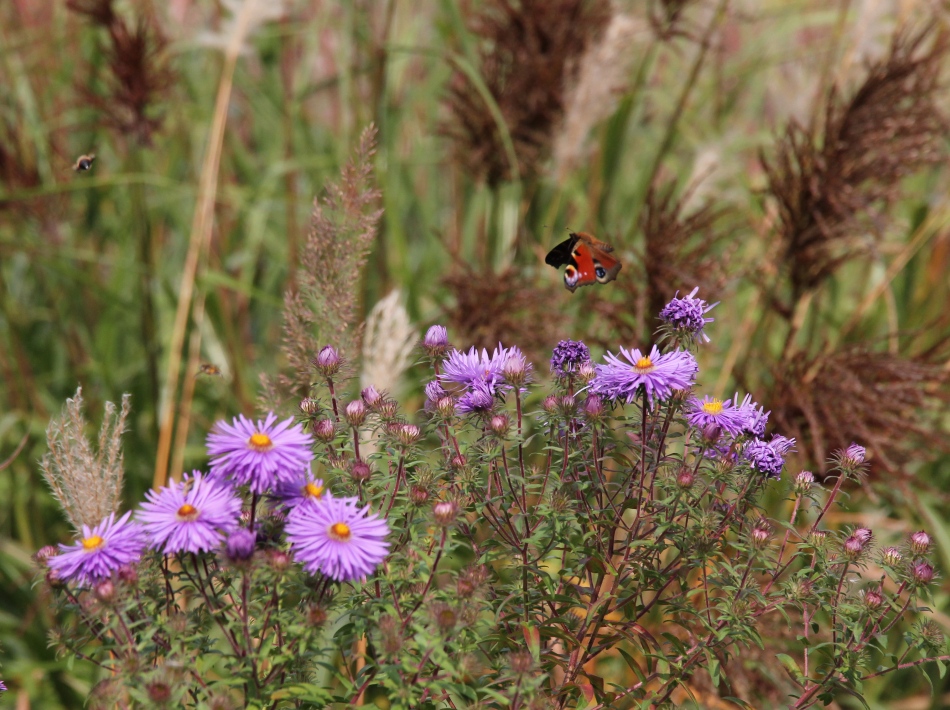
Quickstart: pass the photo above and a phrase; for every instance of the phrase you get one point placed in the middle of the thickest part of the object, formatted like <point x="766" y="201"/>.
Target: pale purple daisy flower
<point x="568" y="356"/>
<point x="302" y="489"/>
<point x="100" y="551"/>
<point x="192" y="515"/>
<point x="710" y="411"/>
<point x="337" y="538"/>
<point x="3" y="687"/>
<point x="756" y="418"/>
<point x="768" y="457"/>
<point x="259" y="455"/>
<point x="473" y="366"/>
<point x="657" y="374"/>
<point x="687" y="316"/>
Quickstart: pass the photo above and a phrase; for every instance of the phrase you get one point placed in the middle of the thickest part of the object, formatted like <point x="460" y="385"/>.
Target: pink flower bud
<point x="355" y="413"/>
<point x="324" y="430"/>
<point x="445" y="512"/>
<point x="920" y="543"/>
<point x="327" y="361"/>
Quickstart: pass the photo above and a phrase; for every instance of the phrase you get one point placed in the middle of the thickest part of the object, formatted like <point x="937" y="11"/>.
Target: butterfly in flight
<point x="84" y="162"/>
<point x="588" y="261"/>
<point x="207" y="368"/>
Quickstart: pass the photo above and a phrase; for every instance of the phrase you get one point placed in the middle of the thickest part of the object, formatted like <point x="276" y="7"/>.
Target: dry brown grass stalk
<point x="325" y="307"/>
<point x="528" y="56"/>
<point x="86" y="480"/>
<point x="835" y="180"/>
<point x="890" y="403"/>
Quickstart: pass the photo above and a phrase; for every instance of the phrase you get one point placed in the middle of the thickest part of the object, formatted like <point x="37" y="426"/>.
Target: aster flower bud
<point x="594" y="408"/>
<point x="240" y="546"/>
<point x="800" y="590"/>
<point x="53" y="579"/>
<point x="819" y="539"/>
<point x="408" y="434"/>
<point x="355" y="413"/>
<point x="550" y="404"/>
<point x="586" y="372"/>
<point x="803" y="482"/>
<point x="445" y="512"/>
<point x="324" y="430"/>
<point x="434" y="391"/>
<point x="920" y="543"/>
<point x="128" y="575"/>
<point x="499" y="425"/>
<point x="521" y="663"/>
<point x="309" y="406"/>
<point x="278" y="560"/>
<point x="327" y="361"/>
<point x="390" y="632"/>
<point x="457" y="462"/>
<point x="853" y="455"/>
<point x="873" y="599"/>
<point x="863" y="534"/>
<point x="567" y="405"/>
<point x="891" y="556"/>
<point x="436" y="341"/>
<point x="470" y="580"/>
<point x="388" y="408"/>
<point x="853" y="547"/>
<point x="105" y="591"/>
<point x="711" y="432"/>
<point x="685" y="479"/>
<point x="446" y="407"/>
<point x="761" y="534"/>
<point x="41" y="556"/>
<point x="923" y="572"/>
<point x="159" y="691"/>
<point x="360" y="471"/>
<point x="371" y="397"/>
<point x="445" y="617"/>
<point x="418" y="495"/>
<point x="316" y="615"/>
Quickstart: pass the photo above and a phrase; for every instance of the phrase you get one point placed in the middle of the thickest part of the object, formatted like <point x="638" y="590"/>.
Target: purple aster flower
<point x="709" y="411"/>
<point x="480" y="398"/>
<point x="568" y="356"/>
<point x="768" y="457"/>
<point x="337" y="538"/>
<point x="755" y="416"/>
<point x="853" y="455"/>
<point x="3" y="687"/>
<point x="100" y="551"/>
<point x="302" y="489"/>
<point x="657" y="374"/>
<point x="473" y="366"/>
<point x="687" y="316"/>
<point x="259" y="455"/>
<point x="434" y="391"/>
<point x="189" y="516"/>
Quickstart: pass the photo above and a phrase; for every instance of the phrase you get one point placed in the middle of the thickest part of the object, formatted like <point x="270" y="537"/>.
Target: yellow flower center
<point x="339" y="531"/>
<point x="260" y="441"/>
<point x="91" y="543"/>
<point x="187" y="512"/>
<point x="312" y="490"/>
<point x="714" y="407"/>
<point x="644" y="364"/>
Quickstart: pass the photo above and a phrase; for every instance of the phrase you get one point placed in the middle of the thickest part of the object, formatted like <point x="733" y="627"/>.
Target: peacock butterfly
<point x="587" y="258"/>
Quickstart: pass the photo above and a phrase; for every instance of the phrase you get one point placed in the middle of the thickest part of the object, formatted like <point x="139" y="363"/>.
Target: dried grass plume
<point x="388" y="342"/>
<point x="86" y="480"/>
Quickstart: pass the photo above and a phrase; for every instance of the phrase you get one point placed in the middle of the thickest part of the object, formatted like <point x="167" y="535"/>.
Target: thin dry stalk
<point x="199" y="243"/>
<point x="834" y="183"/>
<point x="86" y="481"/>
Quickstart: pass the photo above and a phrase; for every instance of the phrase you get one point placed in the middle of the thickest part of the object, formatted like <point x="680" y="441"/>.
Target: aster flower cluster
<point x="357" y="529"/>
<point x="687" y="316"/>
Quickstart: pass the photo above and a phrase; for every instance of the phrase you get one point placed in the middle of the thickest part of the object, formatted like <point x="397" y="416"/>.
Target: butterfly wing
<point x="588" y="261"/>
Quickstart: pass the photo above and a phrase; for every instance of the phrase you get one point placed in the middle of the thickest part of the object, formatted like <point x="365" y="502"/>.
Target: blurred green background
<point x="500" y="124"/>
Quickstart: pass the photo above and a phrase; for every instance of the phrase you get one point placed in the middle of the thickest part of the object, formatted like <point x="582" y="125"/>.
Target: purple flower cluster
<point x="260" y="455"/>
<point x="337" y="538"/>
<point x="568" y="356"/>
<point x="687" y="316"/>
<point x="484" y="377"/>
<point x="656" y="375"/>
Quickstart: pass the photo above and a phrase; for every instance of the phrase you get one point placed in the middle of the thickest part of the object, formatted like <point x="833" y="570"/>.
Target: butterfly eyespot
<point x="601" y="272"/>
